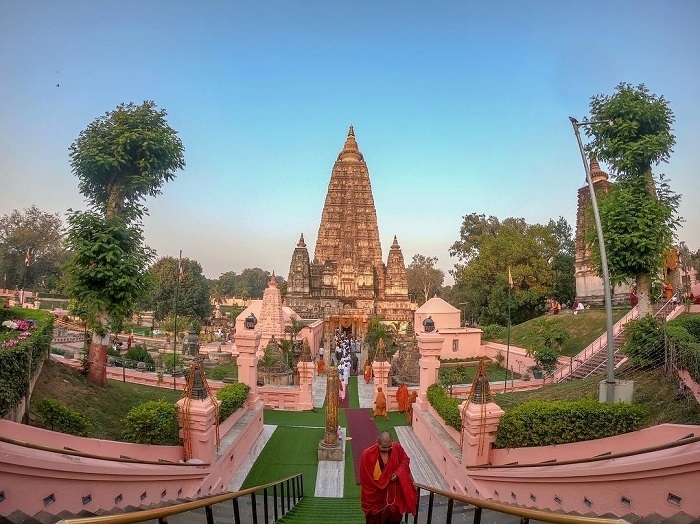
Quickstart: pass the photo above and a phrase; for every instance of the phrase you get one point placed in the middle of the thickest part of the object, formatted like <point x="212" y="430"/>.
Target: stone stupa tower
<point x="589" y="286"/>
<point x="347" y="281"/>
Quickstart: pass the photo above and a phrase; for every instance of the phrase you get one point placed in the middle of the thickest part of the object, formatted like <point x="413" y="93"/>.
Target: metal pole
<point x="610" y="379"/>
<point x="505" y="384"/>
<point x="177" y="288"/>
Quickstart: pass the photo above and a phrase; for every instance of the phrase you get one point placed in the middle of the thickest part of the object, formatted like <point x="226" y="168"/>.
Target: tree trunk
<point x="97" y="359"/>
<point x="646" y="301"/>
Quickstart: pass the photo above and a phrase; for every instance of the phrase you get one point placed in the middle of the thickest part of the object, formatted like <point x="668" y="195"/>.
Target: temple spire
<point x="350" y="152"/>
<point x="597" y="174"/>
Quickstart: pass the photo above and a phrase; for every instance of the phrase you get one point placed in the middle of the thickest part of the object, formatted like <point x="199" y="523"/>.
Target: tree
<point x="120" y="159"/>
<point x="227" y="283"/>
<point x="193" y="293"/>
<point x="41" y="235"/>
<point x="638" y="214"/>
<point x="253" y="282"/>
<point x="525" y="250"/>
<point x="563" y="263"/>
<point x="549" y="336"/>
<point x="424" y="279"/>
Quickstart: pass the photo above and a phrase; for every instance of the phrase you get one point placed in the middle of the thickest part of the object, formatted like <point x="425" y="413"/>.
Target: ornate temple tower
<point x="589" y="286"/>
<point x="347" y="278"/>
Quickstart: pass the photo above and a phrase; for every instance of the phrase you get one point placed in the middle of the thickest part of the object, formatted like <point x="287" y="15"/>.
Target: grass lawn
<point x="104" y="408"/>
<point x="583" y="329"/>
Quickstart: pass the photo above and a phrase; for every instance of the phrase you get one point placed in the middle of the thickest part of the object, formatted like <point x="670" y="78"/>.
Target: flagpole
<point x="510" y="285"/>
<point x="177" y="289"/>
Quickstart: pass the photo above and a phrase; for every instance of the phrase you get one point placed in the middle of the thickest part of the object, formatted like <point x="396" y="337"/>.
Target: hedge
<point x="55" y="416"/>
<point x="153" y="422"/>
<point x="544" y="423"/>
<point x="21" y="361"/>
<point x="446" y="406"/>
<point x="232" y="397"/>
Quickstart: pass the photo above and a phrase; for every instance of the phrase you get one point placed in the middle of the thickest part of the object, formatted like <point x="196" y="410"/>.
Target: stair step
<point x="311" y="510"/>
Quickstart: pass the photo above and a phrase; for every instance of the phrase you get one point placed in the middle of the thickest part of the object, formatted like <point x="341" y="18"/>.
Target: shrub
<point x="645" y="342"/>
<point x="446" y="406"/>
<point x="491" y="332"/>
<point x="541" y="423"/>
<point x="232" y="397"/>
<point x="22" y="360"/>
<point x="139" y="354"/>
<point x="217" y="373"/>
<point x="55" y="416"/>
<point x="153" y="422"/>
<point x="691" y="323"/>
<point x="169" y="358"/>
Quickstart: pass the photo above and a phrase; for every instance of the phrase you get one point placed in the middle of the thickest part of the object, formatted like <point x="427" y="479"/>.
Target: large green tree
<point x="424" y="279"/>
<point x="121" y="158"/>
<point x="40" y="235"/>
<point x="487" y="250"/>
<point x="639" y="212"/>
<point x="193" y="292"/>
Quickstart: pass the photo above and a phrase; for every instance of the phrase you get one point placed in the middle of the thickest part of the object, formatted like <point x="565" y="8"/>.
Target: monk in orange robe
<point x="402" y="398"/>
<point x="321" y="366"/>
<point x="411" y="400"/>
<point x="368" y="371"/>
<point x="387" y="485"/>
<point x="380" y="404"/>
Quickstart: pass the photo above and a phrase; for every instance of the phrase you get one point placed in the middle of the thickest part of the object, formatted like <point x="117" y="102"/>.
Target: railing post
<point x="210" y="515"/>
<point x="265" y="506"/>
<point x="477" y="515"/>
<point x="274" y="499"/>
<point x="254" y="507"/>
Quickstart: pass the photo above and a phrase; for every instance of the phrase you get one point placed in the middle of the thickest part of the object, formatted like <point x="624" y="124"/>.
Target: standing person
<point x="402" y="397"/>
<point x="367" y="371"/>
<point x="129" y="341"/>
<point x="411" y="400"/>
<point x="380" y="405"/>
<point x="387" y="485"/>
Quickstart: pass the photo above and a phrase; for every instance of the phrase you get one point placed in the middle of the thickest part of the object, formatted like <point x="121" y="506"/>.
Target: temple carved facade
<point x="347" y="279"/>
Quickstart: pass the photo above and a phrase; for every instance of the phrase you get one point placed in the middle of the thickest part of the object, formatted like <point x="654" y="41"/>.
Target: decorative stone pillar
<point x="306" y="378"/>
<point x="247" y="343"/>
<point x="381" y="369"/>
<point x="479" y="425"/>
<point x="330" y="447"/>
<point x="201" y="427"/>
<point x="381" y="375"/>
<point x="429" y="347"/>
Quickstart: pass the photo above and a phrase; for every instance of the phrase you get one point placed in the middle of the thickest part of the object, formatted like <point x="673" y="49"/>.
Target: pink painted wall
<point x="663" y="482"/>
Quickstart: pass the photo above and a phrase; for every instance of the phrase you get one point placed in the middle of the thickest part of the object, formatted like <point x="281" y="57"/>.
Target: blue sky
<point x="458" y="107"/>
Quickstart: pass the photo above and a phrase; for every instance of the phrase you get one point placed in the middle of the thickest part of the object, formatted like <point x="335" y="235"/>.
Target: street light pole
<point x="610" y="379"/>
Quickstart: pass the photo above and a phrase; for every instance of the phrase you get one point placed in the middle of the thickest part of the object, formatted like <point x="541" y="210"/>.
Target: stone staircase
<point x="597" y="364"/>
<point x="312" y="510"/>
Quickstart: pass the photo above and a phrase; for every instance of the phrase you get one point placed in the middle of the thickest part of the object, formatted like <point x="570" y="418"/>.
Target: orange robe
<point x="402" y="398"/>
<point x="380" y="405"/>
<point x="321" y="366"/>
<point x="381" y="494"/>
<point x="368" y="372"/>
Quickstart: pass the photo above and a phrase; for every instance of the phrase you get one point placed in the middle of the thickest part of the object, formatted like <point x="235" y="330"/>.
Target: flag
<point x="180" y="269"/>
<point x="510" y="278"/>
<point x="27" y="259"/>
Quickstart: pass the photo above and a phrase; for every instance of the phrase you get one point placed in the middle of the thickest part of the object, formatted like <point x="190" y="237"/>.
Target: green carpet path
<point x="293" y="448"/>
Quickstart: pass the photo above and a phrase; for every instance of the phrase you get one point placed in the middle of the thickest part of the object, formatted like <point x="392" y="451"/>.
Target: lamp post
<point x="464" y="313"/>
<point x="610" y="379"/>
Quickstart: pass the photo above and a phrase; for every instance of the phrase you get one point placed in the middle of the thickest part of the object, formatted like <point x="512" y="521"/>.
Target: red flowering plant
<point x="24" y="327"/>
